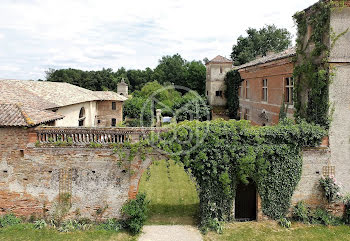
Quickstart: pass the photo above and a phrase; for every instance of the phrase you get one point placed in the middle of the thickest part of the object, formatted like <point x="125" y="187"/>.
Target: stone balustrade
<point x="82" y="136"/>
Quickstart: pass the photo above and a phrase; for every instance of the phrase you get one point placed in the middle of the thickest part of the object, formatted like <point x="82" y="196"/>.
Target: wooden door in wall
<point x="245" y="202"/>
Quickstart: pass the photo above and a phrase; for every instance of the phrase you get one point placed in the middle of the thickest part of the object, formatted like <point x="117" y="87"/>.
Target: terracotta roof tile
<point x="18" y="115"/>
<point x="109" y="95"/>
<point x="47" y="95"/>
<point x="220" y="59"/>
<point x="285" y="54"/>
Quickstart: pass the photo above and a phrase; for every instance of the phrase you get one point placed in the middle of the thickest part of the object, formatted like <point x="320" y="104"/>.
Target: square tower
<point x="215" y="80"/>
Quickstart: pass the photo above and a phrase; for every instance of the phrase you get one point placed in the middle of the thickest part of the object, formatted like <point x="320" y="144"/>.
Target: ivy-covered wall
<point x="313" y="73"/>
<point x="219" y="154"/>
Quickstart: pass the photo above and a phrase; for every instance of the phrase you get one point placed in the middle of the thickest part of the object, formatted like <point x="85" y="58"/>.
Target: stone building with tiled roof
<point x="74" y="105"/>
<point x="215" y="84"/>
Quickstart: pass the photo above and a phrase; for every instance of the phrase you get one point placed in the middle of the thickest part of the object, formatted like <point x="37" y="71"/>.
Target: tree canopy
<point x="259" y="43"/>
<point x="171" y="69"/>
<point x="153" y="95"/>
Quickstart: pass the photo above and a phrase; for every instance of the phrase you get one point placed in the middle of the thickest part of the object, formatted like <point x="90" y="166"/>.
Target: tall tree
<point x="259" y="43"/>
<point x="176" y="70"/>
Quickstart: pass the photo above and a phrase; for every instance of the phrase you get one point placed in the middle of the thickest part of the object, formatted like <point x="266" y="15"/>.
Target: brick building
<point x="267" y="83"/>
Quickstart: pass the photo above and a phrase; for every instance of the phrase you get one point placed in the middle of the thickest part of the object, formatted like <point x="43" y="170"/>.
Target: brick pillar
<point x="32" y="137"/>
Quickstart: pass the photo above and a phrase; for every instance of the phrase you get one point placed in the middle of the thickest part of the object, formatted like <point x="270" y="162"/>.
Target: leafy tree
<point x="259" y="43"/>
<point x="195" y="76"/>
<point x="192" y="107"/>
<point x="171" y="69"/>
<point x="178" y="71"/>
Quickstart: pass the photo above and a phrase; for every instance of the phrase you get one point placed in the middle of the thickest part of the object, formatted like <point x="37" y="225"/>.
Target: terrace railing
<point x="85" y="135"/>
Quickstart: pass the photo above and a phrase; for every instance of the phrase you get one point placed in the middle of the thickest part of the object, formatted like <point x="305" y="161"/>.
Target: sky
<point x="36" y="35"/>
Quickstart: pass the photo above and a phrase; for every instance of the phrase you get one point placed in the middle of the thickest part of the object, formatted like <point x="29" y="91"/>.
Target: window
<point x="288" y="95"/>
<point x="220" y="69"/>
<point x="98" y="121"/>
<point x="114" y="122"/>
<point x="219" y="93"/>
<point x="247" y="94"/>
<point x="240" y="89"/>
<point x="81" y="116"/>
<point x="264" y="90"/>
<point x="247" y="114"/>
<point x="240" y="113"/>
<point x="207" y="92"/>
<point x="114" y="106"/>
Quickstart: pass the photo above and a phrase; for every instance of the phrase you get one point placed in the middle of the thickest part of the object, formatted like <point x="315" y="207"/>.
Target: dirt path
<point x="170" y="233"/>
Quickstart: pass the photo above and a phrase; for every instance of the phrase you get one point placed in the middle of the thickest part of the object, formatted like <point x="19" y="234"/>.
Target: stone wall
<point x="215" y="82"/>
<point x="308" y="189"/>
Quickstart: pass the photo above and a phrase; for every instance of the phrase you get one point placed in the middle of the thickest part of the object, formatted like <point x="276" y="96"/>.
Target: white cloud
<point x="91" y="34"/>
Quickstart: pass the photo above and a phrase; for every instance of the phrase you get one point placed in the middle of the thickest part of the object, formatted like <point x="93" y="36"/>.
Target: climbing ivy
<point x="220" y="154"/>
<point x="232" y="81"/>
<point x="312" y="72"/>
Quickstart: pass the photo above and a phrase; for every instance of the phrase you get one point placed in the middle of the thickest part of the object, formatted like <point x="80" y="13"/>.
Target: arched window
<point x="82" y="116"/>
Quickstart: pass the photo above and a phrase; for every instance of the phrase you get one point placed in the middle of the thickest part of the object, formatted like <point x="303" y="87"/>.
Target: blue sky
<point x="36" y="35"/>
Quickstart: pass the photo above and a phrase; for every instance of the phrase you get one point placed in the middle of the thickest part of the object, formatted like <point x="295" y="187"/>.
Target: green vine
<point x="232" y="81"/>
<point x="312" y="72"/>
<point x="231" y="152"/>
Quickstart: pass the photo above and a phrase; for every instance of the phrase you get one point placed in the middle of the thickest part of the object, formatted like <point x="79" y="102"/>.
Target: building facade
<point x="215" y="80"/>
<point x="267" y="84"/>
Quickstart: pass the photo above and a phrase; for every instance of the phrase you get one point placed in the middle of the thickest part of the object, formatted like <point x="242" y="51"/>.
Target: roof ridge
<point x="24" y="114"/>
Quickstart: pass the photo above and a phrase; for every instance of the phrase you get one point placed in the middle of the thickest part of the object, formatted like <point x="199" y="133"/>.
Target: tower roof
<point x="220" y="60"/>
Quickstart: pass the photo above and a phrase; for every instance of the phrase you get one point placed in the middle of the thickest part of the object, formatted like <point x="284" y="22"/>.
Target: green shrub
<point x="40" y="224"/>
<point x="9" y="220"/>
<point x="135" y="211"/>
<point x="322" y="216"/>
<point x="285" y="223"/>
<point x="346" y="201"/>
<point x="212" y="224"/>
<point x="330" y="189"/>
<point x="73" y="225"/>
<point x="301" y="212"/>
<point x="111" y="225"/>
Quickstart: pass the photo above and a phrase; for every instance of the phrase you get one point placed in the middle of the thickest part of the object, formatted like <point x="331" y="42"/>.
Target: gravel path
<point x="170" y="233"/>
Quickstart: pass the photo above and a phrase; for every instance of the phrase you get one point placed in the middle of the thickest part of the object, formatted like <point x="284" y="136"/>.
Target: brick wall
<point x="275" y="72"/>
<point x="105" y="113"/>
<point x="31" y="180"/>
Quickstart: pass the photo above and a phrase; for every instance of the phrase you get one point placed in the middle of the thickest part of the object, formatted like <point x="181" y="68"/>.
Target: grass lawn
<point x="172" y="193"/>
<point x="271" y="231"/>
<point x="26" y="232"/>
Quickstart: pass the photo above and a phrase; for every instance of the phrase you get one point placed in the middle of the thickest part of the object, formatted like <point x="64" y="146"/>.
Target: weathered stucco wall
<point x="340" y="22"/>
<point x="339" y="96"/>
<point x="339" y="134"/>
<point x="308" y="189"/>
<point x="215" y="82"/>
<point x="71" y="114"/>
